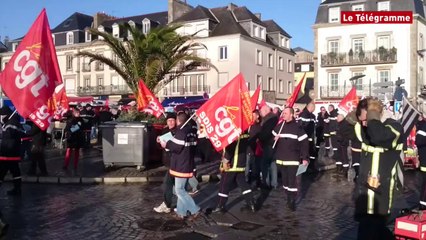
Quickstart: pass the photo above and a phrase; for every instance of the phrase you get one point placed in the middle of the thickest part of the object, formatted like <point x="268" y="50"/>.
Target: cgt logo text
<point x="220" y="127"/>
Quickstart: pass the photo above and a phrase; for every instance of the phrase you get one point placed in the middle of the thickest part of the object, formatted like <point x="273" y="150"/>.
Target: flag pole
<point x="281" y="128"/>
<point x="189" y="119"/>
<point x="12" y="114"/>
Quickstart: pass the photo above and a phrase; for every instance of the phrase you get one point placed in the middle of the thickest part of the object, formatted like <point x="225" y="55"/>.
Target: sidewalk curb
<point x="119" y="180"/>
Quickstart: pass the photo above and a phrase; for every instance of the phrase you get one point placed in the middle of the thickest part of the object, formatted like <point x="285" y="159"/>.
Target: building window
<point x="174" y="86"/>
<point x="146" y="26"/>
<point x="334" y="14"/>
<point x="262" y="33"/>
<point x="358" y="45"/>
<point x="223" y="53"/>
<point x="358" y="7"/>
<point x="270" y="60"/>
<point x="384" y="76"/>
<point x="15" y="46"/>
<point x="255" y="31"/>
<point x="200" y="83"/>
<point x="383" y="6"/>
<point x="383" y="41"/>
<point x="259" y="57"/>
<point x="283" y="39"/>
<point x="333" y="81"/>
<point x="100" y="80"/>
<point x="69" y="62"/>
<point x="281" y="62"/>
<point x="187" y="83"/>
<point x="258" y="80"/>
<point x="86" y="65"/>
<point x="358" y="83"/>
<point x="280" y="86"/>
<point x="289" y="66"/>
<point x="289" y="87"/>
<point x="421" y="42"/>
<point x="333" y="46"/>
<point x="271" y="84"/>
<point x="116" y="30"/>
<point x="70" y="38"/>
<point x="87" y="81"/>
<point x="88" y="36"/>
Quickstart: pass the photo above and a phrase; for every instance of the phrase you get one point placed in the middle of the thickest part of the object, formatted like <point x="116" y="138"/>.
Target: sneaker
<point x="162" y="208"/>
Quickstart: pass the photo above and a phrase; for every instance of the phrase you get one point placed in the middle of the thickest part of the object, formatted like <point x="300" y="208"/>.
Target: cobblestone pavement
<point x="125" y="211"/>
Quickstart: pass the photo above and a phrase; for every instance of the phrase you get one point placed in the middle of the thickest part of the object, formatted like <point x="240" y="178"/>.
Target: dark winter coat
<point x="11" y="134"/>
<point x="74" y="132"/>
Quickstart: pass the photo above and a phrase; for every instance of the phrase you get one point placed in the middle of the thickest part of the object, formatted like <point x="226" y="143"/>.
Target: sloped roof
<point x="3" y="47"/>
<point x="299" y="49"/>
<point x="227" y="24"/>
<point x="197" y="13"/>
<point x="272" y="26"/>
<point x="160" y="17"/>
<point x="77" y="21"/>
<point x="335" y="1"/>
<point x="242" y="13"/>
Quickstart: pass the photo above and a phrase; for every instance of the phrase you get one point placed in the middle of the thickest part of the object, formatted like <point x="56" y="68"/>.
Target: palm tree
<point x="157" y="57"/>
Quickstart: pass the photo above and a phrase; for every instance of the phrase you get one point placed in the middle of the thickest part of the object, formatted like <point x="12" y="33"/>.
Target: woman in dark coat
<point x="75" y="138"/>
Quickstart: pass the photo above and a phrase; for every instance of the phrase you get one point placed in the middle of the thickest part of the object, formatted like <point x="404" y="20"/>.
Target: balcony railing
<point x="183" y="91"/>
<point x="378" y="56"/>
<point x="341" y="91"/>
<point x="103" y="90"/>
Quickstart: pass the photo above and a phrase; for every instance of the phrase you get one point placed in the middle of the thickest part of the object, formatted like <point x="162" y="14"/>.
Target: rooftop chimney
<point x="258" y="15"/>
<point x="177" y="8"/>
<point x="232" y="6"/>
<point x="101" y="17"/>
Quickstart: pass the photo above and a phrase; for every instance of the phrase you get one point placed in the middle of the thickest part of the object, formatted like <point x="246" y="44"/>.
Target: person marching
<point x="421" y="147"/>
<point x="75" y="139"/>
<point x="183" y="148"/>
<point x="381" y="151"/>
<point x="343" y="133"/>
<point x="168" y="180"/>
<point x="233" y="171"/>
<point x="352" y="118"/>
<point x="307" y="121"/>
<point x="332" y="129"/>
<point x="10" y="148"/>
<point x="292" y="146"/>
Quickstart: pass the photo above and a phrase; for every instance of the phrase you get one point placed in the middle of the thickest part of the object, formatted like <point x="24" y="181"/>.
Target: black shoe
<point x="14" y="192"/>
<point x="3" y="229"/>
<point x="219" y="210"/>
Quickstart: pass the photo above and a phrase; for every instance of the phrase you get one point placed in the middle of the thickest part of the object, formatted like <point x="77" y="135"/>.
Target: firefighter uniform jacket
<point x="307" y="121"/>
<point x="236" y="153"/>
<point x="11" y="139"/>
<point x="381" y="151"/>
<point x="292" y="145"/>
<point x="183" y="148"/>
<point x="421" y="144"/>
<point x="332" y="122"/>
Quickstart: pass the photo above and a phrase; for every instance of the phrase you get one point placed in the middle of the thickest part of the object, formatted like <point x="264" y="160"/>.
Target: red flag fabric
<point x="59" y="102"/>
<point x="295" y="95"/>
<point x="350" y="101"/>
<point x="32" y="74"/>
<point x="255" y="98"/>
<point x="147" y="102"/>
<point x="225" y="116"/>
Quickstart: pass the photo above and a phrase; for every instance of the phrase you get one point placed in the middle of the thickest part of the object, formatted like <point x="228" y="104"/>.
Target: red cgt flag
<point x="350" y="101"/>
<point x="32" y="74"/>
<point x="58" y="104"/>
<point x="225" y="116"/>
<point x="147" y="102"/>
<point x="255" y="98"/>
<point x="295" y="95"/>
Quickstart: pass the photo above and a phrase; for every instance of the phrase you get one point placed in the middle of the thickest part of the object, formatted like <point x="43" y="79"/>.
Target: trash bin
<point x="127" y="143"/>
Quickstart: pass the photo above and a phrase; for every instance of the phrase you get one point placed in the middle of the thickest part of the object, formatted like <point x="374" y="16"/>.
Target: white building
<point x="382" y="52"/>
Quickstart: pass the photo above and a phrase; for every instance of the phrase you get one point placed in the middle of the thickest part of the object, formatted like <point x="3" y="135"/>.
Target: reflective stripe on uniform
<point x="235" y="167"/>
<point x="358" y="131"/>
<point x="285" y="187"/>
<point x="371" y="149"/>
<point x="395" y="141"/>
<point x="178" y="142"/>
<point x="355" y="164"/>
<point x="180" y="174"/>
<point x="287" y="163"/>
<point x="332" y="118"/>
<point x="421" y="132"/>
<point x="222" y="195"/>
<point x="355" y="149"/>
<point x="339" y="163"/>
<point x="345" y="165"/>
<point x="187" y="144"/>
<point x="333" y="133"/>
<point x="312" y="157"/>
<point x="326" y="135"/>
<point x="423" y="169"/>
<point x="292" y="189"/>
<point x="422" y="203"/>
<point x="303" y="137"/>
<point x="310" y="139"/>
<point x="374" y="172"/>
<point x="392" y="185"/>
<point x="247" y="191"/>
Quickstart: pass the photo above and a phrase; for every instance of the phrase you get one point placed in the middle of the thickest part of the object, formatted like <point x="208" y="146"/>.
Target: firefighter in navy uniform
<point x="292" y="147"/>
<point x="344" y="131"/>
<point x="332" y="130"/>
<point x="319" y="130"/>
<point x="352" y="119"/>
<point x="421" y="147"/>
<point x="233" y="171"/>
<point x="381" y="151"/>
<point x="10" y="148"/>
<point x="307" y="121"/>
